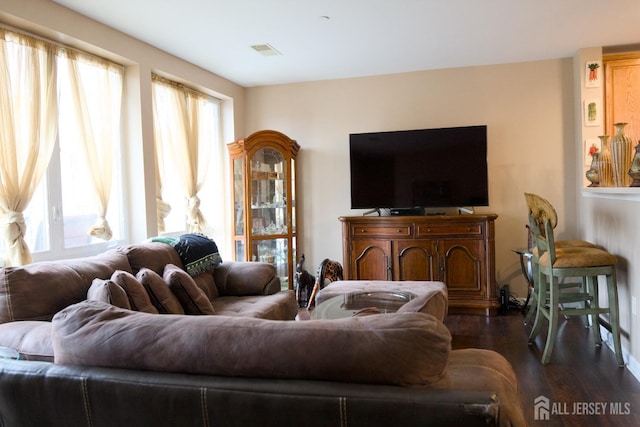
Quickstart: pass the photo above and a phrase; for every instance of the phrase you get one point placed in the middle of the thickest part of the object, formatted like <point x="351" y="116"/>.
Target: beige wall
<point x="528" y="109"/>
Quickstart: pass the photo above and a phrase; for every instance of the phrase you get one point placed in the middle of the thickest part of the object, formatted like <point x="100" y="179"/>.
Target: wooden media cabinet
<point x="458" y="250"/>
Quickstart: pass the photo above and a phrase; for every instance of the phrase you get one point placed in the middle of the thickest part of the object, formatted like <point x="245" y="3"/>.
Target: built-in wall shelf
<point x="617" y="193"/>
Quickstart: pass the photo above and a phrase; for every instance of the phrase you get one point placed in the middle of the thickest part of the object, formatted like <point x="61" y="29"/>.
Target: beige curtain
<point x="180" y="139"/>
<point x="98" y="141"/>
<point x="28" y="127"/>
<point x="162" y="208"/>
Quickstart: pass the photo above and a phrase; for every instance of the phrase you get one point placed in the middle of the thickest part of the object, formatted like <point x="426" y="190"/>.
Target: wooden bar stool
<point x="554" y="265"/>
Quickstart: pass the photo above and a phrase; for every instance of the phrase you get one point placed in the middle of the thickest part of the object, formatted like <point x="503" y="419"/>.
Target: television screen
<point x="444" y="167"/>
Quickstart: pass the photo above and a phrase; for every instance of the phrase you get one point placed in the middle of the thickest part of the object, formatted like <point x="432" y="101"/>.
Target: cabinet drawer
<point x="424" y="230"/>
<point x="381" y="231"/>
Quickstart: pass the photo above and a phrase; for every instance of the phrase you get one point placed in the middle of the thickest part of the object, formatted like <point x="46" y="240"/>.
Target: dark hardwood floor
<point x="578" y="376"/>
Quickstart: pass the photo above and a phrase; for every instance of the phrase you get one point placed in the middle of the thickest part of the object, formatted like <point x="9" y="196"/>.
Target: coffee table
<point x="8" y="353"/>
<point x="350" y="304"/>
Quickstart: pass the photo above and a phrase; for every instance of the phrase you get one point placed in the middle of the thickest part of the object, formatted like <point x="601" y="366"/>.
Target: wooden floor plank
<point x="578" y="376"/>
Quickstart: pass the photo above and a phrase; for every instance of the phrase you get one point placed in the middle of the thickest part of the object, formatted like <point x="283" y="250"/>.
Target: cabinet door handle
<point x="389" y="270"/>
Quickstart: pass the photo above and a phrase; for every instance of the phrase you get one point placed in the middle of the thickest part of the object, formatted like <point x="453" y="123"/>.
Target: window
<point x="190" y="158"/>
<point x="81" y="189"/>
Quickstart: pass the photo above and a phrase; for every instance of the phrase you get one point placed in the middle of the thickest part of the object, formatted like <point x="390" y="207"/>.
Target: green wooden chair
<point x="542" y="209"/>
<point x="555" y="265"/>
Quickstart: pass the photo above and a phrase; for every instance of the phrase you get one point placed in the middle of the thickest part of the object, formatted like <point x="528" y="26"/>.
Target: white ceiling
<point x="328" y="39"/>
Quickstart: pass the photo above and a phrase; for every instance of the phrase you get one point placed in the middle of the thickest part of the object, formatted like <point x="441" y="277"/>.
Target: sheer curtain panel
<point x="28" y="127"/>
<point x="181" y="145"/>
<point x="98" y="125"/>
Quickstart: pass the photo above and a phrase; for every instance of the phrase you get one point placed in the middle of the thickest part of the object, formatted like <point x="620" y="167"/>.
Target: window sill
<point x="618" y="193"/>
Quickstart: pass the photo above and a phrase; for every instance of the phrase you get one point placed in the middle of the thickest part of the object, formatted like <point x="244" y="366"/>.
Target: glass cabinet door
<point x="269" y="210"/>
<point x="293" y="198"/>
<point x="274" y="251"/>
<point x="238" y="209"/>
<point x="268" y="193"/>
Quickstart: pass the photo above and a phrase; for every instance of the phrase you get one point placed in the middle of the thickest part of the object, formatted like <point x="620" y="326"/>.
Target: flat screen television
<point x="426" y="168"/>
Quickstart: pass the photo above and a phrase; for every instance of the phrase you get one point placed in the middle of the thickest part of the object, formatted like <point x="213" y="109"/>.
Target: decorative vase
<point x="621" y="156"/>
<point x="605" y="170"/>
<point x="634" y="170"/>
<point x="592" y="174"/>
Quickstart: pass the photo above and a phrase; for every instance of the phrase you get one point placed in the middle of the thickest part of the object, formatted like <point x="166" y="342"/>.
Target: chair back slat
<point x="544" y="242"/>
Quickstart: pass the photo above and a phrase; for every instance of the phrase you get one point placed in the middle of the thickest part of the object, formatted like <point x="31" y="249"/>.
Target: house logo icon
<point x="541" y="408"/>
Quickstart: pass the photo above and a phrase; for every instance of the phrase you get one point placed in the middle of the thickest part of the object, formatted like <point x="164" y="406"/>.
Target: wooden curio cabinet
<point x="263" y="167"/>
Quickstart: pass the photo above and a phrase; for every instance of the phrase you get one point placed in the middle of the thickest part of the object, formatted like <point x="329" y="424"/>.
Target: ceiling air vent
<point x="265" y="49"/>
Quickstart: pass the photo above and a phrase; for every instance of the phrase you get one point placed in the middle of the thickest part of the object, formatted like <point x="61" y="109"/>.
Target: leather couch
<point x="239" y="366"/>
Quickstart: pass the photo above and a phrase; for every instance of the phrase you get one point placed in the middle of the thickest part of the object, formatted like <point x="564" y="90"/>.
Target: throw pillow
<point x="198" y="253"/>
<point x="138" y="297"/>
<point x="159" y="293"/>
<point x="109" y="292"/>
<point x="192" y="298"/>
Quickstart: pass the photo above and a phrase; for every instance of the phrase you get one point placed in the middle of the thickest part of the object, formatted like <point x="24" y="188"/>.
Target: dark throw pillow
<point x="198" y="253"/>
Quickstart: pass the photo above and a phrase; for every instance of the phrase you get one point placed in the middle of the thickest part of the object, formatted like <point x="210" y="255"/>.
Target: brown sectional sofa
<point x="31" y="295"/>
<point x="242" y="366"/>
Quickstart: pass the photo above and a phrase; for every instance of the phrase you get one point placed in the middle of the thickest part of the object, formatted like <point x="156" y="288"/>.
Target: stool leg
<point x="533" y="307"/>
<point x="584" y="288"/>
<point x="553" y="320"/>
<point x="592" y="283"/>
<point x="614" y="319"/>
<point x="541" y="286"/>
<point x="533" y="304"/>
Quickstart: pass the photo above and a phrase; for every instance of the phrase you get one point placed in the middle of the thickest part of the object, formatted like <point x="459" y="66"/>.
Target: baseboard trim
<point x="631" y="363"/>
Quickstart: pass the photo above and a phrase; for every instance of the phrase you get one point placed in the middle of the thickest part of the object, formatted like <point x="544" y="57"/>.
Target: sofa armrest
<point x="234" y="278"/>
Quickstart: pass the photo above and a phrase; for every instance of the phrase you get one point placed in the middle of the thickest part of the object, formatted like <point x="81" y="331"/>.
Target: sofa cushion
<point x="39" y="290"/>
<point x="159" y="293"/>
<point x="151" y="255"/>
<point x="206" y="282"/>
<point x="136" y="293"/>
<point x="107" y="291"/>
<point x="243" y="278"/>
<point x="30" y="338"/>
<point x="191" y="297"/>
<point x="279" y="306"/>
<point x="410" y="349"/>
<point x="433" y="302"/>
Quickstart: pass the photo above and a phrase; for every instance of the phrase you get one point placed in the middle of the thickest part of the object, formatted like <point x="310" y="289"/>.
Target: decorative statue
<point x="304" y="283"/>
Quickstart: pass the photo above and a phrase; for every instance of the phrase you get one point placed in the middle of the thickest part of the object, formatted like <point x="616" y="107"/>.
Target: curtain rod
<point x="60" y="46"/>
